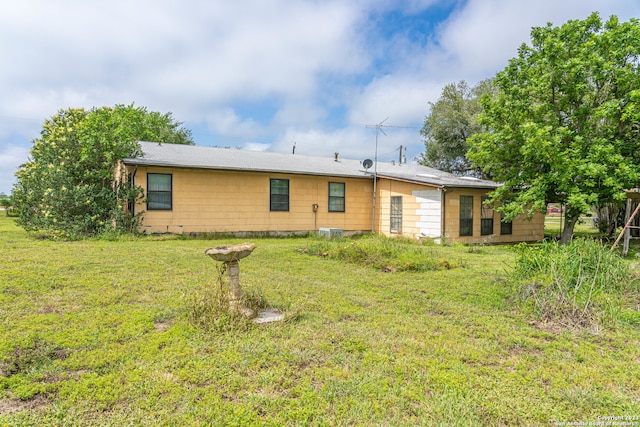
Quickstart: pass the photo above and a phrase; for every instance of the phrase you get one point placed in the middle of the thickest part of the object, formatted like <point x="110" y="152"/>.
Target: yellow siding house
<point x="192" y="189"/>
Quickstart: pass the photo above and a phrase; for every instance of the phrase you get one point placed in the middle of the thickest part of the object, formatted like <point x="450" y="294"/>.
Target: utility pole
<point x="400" y="157"/>
<point x="378" y="129"/>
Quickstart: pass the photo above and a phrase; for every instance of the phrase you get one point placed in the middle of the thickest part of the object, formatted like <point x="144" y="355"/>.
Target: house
<point x="204" y="189"/>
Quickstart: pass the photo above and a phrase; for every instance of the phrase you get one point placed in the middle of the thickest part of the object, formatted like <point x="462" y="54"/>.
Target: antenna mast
<point x="379" y="129"/>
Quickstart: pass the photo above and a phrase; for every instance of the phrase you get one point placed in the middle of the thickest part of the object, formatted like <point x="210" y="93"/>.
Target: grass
<point x="98" y="332"/>
<point x="585" y="227"/>
<point x="380" y="252"/>
<point x="582" y="284"/>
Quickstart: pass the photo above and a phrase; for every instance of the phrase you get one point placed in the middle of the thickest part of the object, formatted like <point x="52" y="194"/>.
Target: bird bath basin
<point x="230" y="255"/>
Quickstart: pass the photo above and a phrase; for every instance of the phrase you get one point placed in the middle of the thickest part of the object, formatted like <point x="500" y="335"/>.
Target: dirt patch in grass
<point x="13" y="406"/>
<point x="548" y="326"/>
<point x="162" y="326"/>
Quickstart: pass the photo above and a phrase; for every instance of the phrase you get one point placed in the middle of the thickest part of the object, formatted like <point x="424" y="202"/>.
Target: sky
<point x="262" y="74"/>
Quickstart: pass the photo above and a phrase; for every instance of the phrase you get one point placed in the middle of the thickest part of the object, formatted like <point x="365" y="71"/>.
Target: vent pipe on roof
<point x="336" y="154"/>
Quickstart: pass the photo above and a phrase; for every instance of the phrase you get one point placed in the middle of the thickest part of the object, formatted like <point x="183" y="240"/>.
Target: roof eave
<point x="143" y="162"/>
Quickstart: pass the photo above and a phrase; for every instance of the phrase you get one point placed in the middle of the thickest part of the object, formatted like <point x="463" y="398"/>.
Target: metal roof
<point x="200" y="157"/>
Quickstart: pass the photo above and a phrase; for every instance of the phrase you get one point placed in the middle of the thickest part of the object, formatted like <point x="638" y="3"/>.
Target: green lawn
<point x="584" y="227"/>
<point x="96" y="333"/>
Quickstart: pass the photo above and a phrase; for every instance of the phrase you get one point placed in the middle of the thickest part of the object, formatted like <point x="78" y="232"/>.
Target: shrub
<point x="67" y="188"/>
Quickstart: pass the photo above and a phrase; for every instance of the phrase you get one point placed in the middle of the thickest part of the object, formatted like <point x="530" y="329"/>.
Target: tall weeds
<point x="571" y="284"/>
<point x="207" y="307"/>
<point x="384" y="253"/>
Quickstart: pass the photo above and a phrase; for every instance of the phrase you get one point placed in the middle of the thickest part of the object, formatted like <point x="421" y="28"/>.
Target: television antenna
<point x="379" y="129"/>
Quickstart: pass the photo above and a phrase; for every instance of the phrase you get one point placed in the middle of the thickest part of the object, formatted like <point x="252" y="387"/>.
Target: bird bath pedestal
<point x="230" y="255"/>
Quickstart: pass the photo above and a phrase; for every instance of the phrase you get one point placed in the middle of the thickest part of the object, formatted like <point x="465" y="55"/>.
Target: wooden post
<point x="628" y="223"/>
<point x="627" y="231"/>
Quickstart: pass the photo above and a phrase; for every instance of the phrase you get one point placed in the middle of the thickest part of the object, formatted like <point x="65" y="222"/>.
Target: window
<point x="486" y="217"/>
<point x="159" y="186"/>
<point x="505" y="227"/>
<point x="280" y="195"/>
<point x="466" y="215"/>
<point x="396" y="214"/>
<point x="336" y="197"/>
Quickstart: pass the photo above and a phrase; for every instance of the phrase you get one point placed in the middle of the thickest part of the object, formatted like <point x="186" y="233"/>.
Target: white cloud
<point x="188" y="56"/>
<point x="474" y="43"/>
<point x="403" y="99"/>
<point x="225" y="121"/>
<point x="11" y="157"/>
<point x="351" y="143"/>
<point x="480" y="38"/>
<point x="255" y="146"/>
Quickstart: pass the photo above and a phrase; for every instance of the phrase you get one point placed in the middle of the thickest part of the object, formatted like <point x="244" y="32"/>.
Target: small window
<point x="466" y="215"/>
<point x="486" y="217"/>
<point x="280" y="195"/>
<point x="396" y="214"/>
<point x="506" y="227"/>
<point x="336" y="196"/>
<point x="159" y="189"/>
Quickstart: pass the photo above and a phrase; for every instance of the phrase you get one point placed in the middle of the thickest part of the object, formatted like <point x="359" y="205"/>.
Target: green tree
<point x="5" y="202"/>
<point x="453" y="119"/>
<point x="565" y="124"/>
<point x="68" y="188"/>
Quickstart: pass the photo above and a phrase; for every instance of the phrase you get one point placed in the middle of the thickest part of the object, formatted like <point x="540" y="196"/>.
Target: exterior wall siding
<point x="523" y="230"/>
<point x="222" y="201"/>
<point x="411" y="207"/>
<point x="215" y="201"/>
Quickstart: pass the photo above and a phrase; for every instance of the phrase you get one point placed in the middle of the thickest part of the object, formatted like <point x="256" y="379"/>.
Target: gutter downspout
<point x="133" y="183"/>
<point x="373" y="214"/>
<point x="443" y="215"/>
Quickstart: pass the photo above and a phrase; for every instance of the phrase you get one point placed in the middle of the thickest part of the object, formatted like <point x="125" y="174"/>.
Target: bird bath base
<point x="230" y="255"/>
<point x="269" y="315"/>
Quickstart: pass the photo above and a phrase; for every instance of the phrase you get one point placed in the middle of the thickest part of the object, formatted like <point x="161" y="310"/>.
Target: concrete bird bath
<point x="230" y="255"/>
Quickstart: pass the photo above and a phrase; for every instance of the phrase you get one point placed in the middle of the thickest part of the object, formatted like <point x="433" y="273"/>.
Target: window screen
<point x="279" y="195"/>
<point x="396" y="214"/>
<point x="506" y="227"/>
<point x="466" y="215"/>
<point x="336" y="196"/>
<point x="159" y="191"/>
<point x="486" y="217"/>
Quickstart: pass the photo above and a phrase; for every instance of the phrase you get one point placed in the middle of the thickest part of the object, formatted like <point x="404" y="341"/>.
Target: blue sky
<point x="261" y="74"/>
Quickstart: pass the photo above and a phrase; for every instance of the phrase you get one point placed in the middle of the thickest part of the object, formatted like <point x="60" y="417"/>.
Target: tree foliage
<point x="6" y="202"/>
<point x="67" y="187"/>
<point x="565" y="124"/>
<point x="453" y="119"/>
